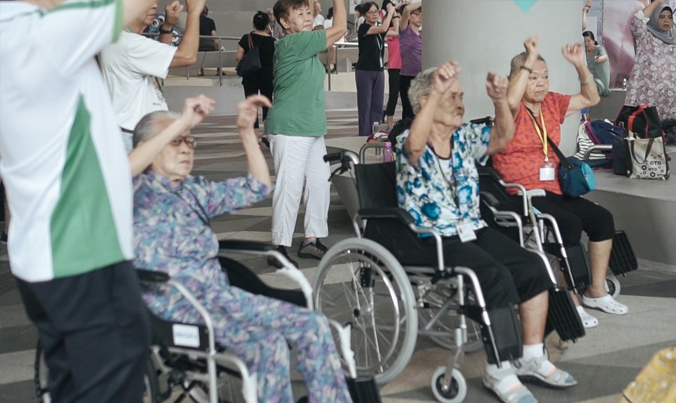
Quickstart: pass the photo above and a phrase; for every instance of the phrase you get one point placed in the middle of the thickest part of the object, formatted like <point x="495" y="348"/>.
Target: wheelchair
<point x="372" y="283"/>
<point x="185" y="362"/>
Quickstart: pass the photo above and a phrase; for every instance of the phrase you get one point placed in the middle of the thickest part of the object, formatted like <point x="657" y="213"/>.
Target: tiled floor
<point x="604" y="361"/>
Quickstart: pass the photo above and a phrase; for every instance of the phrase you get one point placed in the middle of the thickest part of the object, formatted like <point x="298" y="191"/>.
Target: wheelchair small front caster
<point x="457" y="390"/>
<point x="613" y="285"/>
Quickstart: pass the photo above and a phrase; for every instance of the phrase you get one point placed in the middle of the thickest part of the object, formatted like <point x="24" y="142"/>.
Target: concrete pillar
<point x="484" y="35"/>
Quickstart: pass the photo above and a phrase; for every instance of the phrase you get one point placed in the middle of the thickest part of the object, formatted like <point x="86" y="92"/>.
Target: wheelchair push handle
<point x="334" y="157"/>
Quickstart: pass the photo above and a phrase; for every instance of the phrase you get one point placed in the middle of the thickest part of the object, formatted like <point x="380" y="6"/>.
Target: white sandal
<point x="588" y="321"/>
<point x="607" y="304"/>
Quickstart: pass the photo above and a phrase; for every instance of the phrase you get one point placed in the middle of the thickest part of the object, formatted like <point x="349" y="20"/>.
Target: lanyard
<point x="454" y="195"/>
<point x="541" y="131"/>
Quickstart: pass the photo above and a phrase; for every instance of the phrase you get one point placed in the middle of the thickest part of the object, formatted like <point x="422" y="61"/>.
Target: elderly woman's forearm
<point x="256" y="163"/>
<point x="503" y="129"/>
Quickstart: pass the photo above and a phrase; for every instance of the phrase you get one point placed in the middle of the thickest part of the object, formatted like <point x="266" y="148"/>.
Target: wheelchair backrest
<point x="377" y="188"/>
<point x="377" y="185"/>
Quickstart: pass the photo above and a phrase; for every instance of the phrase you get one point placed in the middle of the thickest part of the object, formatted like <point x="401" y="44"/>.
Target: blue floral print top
<point x="440" y="193"/>
<point x="172" y="233"/>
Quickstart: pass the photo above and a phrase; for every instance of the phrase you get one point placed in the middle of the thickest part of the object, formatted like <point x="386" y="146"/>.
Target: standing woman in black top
<point x="261" y="81"/>
<point x="369" y="69"/>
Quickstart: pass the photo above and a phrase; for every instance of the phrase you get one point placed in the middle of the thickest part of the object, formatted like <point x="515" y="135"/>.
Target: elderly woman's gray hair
<point x="149" y="125"/>
<point x="519" y="61"/>
<point x="420" y="87"/>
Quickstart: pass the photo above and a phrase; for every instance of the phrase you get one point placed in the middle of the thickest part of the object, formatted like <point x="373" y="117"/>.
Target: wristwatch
<point x="164" y="31"/>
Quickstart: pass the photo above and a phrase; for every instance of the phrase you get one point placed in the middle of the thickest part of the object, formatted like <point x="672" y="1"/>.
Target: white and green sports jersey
<point x="62" y="159"/>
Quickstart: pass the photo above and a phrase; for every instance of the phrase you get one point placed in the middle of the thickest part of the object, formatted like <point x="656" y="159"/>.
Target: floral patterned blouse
<point x="172" y="231"/>
<point x="439" y="193"/>
<point x="653" y="77"/>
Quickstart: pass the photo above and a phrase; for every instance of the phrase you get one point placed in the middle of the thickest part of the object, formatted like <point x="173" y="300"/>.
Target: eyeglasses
<point x="373" y="12"/>
<point x="190" y="141"/>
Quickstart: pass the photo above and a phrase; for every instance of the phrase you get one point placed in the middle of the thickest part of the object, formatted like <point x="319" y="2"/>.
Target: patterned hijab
<point x="668" y="37"/>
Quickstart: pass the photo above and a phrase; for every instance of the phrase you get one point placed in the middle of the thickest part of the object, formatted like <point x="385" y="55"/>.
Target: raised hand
<point x="445" y="75"/>
<point x="574" y="53"/>
<point x="248" y="112"/>
<point x="496" y="86"/>
<point x="587" y="6"/>
<point x="531" y="45"/>
<point x="172" y="11"/>
<point x="195" y="6"/>
<point x="390" y="8"/>
<point x="196" y="109"/>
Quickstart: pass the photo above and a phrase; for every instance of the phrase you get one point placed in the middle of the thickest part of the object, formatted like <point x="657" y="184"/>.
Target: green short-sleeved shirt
<point x="299" y="108"/>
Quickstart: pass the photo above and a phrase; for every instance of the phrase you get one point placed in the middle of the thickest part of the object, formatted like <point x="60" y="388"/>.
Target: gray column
<point x="484" y="35"/>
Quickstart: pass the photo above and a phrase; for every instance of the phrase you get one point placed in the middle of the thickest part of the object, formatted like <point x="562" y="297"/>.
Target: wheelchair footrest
<point x="622" y="257"/>
<point x="507" y="335"/>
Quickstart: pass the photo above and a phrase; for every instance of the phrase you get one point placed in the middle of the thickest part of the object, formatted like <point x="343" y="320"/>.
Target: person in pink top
<point x="528" y="160"/>
<point x="393" y="63"/>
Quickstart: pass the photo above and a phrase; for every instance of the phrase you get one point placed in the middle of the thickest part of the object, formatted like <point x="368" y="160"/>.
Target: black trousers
<point x="576" y="214"/>
<point x="95" y="334"/>
<point x="264" y="88"/>
<point x="508" y="274"/>
<point x="406" y="108"/>
<point x="393" y="82"/>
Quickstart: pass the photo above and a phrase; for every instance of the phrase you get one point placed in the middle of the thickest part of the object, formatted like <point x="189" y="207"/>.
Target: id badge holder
<point x="381" y="62"/>
<point x="547" y="172"/>
<point x="465" y="232"/>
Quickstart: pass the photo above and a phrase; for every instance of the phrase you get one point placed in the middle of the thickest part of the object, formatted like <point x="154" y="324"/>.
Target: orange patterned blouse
<point x="521" y="160"/>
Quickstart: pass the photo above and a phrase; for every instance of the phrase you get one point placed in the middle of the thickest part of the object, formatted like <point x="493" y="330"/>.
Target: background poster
<point x="617" y="38"/>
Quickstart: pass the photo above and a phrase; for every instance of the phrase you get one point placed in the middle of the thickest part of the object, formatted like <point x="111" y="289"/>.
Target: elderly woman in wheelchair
<point x="173" y="235"/>
<point x="437" y="182"/>
<point x="527" y="159"/>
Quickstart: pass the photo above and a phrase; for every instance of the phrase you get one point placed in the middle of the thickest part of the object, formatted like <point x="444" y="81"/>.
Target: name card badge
<point x="465" y="232"/>
<point x="547" y="172"/>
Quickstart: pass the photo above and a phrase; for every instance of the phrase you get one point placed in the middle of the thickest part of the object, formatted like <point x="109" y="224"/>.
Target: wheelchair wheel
<point x="434" y="300"/>
<point x="613" y="285"/>
<point x="457" y="390"/>
<point x="359" y="282"/>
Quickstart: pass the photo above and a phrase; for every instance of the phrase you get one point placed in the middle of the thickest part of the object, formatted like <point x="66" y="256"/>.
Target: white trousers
<point x="299" y="163"/>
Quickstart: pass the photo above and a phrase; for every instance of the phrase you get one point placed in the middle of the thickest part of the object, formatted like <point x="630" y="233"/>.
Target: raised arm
<point x="503" y="129"/>
<point x="172" y="12"/>
<point x="650" y="8"/>
<point x="519" y="79"/>
<point x="186" y="54"/>
<point x="194" y="110"/>
<point x="248" y="112"/>
<point x="407" y="13"/>
<point x="585" y="10"/>
<point x="589" y="94"/>
<point x="395" y="26"/>
<point x="339" y="27"/>
<point x="385" y="26"/>
<point x="421" y="128"/>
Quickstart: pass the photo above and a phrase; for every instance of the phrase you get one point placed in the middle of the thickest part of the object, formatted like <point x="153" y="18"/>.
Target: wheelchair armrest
<point x="151" y="276"/>
<point x="252" y="246"/>
<point x="391" y="212"/>
<point x="536" y="193"/>
<point x="597" y="148"/>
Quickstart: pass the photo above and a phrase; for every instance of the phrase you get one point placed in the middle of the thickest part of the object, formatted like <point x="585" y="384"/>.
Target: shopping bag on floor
<point x="642" y="120"/>
<point x="646" y="157"/>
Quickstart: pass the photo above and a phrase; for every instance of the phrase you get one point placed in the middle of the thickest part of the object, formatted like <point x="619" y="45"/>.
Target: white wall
<point x="484" y="35"/>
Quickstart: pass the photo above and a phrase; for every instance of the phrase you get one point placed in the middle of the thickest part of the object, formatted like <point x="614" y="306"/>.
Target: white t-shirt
<point x="131" y="67"/>
<point x="63" y="163"/>
<point x="319" y="20"/>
